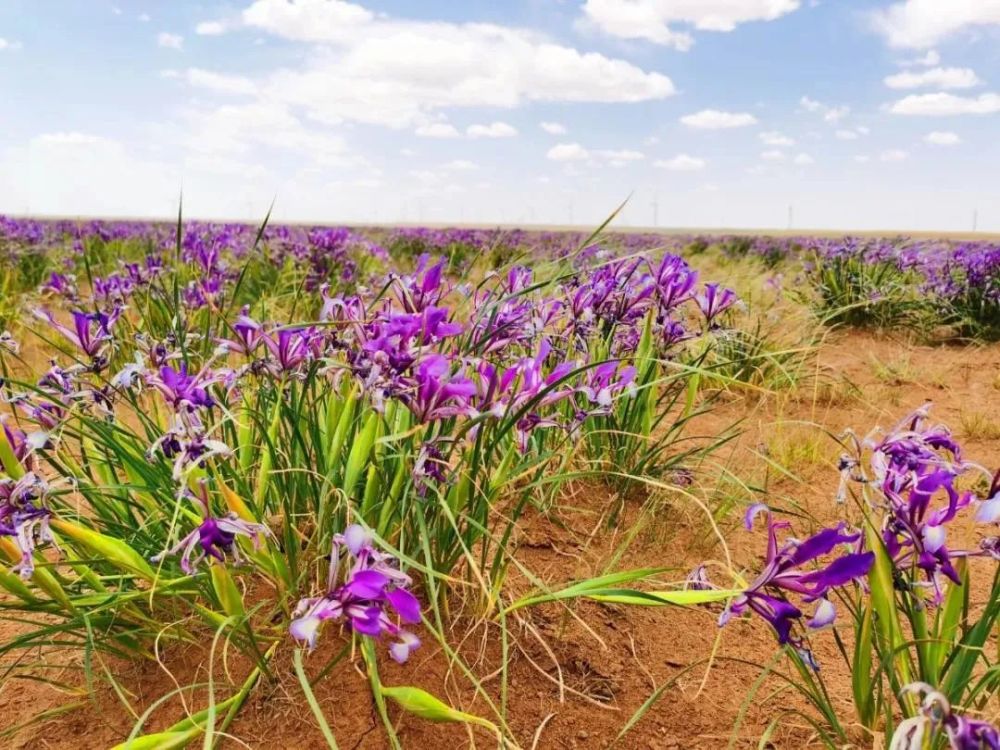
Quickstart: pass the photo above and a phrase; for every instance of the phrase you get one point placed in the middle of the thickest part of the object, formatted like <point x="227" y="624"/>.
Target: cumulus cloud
<point x="774" y="138"/>
<point x="681" y="163"/>
<point x="803" y="160"/>
<point x="375" y="69"/>
<point x="942" y="138"/>
<point x="567" y="152"/>
<point x="830" y="113"/>
<point x="6" y="44"/>
<point x="211" y="28"/>
<point x="72" y="172"/>
<point x="941" y="78"/>
<point x="929" y="59"/>
<point x="493" y="130"/>
<point x="461" y="165"/>
<point x="574" y="152"/>
<point x="653" y="20"/>
<point x="714" y="119"/>
<point x="942" y="104"/>
<point x="553" y="128"/>
<point x="169" y="41"/>
<point x="240" y="129"/>
<point x="893" y="154"/>
<point x="772" y="154"/>
<point x="437" y="130"/>
<point x="221" y="83"/>
<point x="923" y="23"/>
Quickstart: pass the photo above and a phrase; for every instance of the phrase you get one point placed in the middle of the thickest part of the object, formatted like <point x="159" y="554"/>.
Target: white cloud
<point x="6" y="44"/>
<point x="493" y="130"/>
<point x="942" y="138"/>
<point x="851" y="134"/>
<point x="211" y="28"/>
<point x="923" y="23"/>
<point x="774" y="138"/>
<point x="170" y="41"/>
<point x="574" y="152"/>
<point x="714" y="119"/>
<point x="942" y="104"/>
<point x="893" y="154"/>
<point x="681" y="163"/>
<point x="400" y="73"/>
<point x="144" y="18"/>
<point x="942" y="78"/>
<point x="830" y="113"/>
<point x="928" y="60"/>
<point x="71" y="137"/>
<point x="567" y="152"/>
<point x="619" y="157"/>
<point x="803" y="160"/>
<point x="553" y="128"/>
<point x="239" y="129"/>
<point x="437" y="130"/>
<point x="650" y="140"/>
<point x="221" y="83"/>
<point x="83" y="173"/>
<point x="862" y="158"/>
<point x="652" y="19"/>
<point x="461" y="165"/>
<point x="307" y="20"/>
<point x="772" y="154"/>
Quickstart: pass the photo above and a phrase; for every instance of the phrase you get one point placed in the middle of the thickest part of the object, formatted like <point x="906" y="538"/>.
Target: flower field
<point x="372" y="487"/>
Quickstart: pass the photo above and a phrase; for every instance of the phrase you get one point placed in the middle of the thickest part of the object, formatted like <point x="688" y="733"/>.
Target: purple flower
<point x="935" y="713"/>
<point x="714" y="301"/>
<point x="214" y="537"/>
<point x="439" y="394"/>
<point x="292" y="346"/>
<point x="182" y="391"/>
<point x="372" y="592"/>
<point x="916" y="467"/>
<point x="249" y="336"/>
<point x="785" y="573"/>
<point x="91" y="332"/>
<point x="24" y="517"/>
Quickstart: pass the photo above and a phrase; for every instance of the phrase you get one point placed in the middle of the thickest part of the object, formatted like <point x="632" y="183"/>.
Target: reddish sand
<point x="578" y="672"/>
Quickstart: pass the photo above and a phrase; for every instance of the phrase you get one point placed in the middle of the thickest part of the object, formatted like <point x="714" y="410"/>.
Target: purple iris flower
<point x="292" y="347"/>
<point x="214" y="537"/>
<point x="24" y="518"/>
<point x="439" y="394"/>
<point x="936" y="714"/>
<point x="916" y="467"/>
<point x="61" y="285"/>
<point x="249" y="336"/>
<point x="714" y="301"/>
<point x="675" y="282"/>
<point x="372" y="591"/>
<point x="181" y="390"/>
<point x="91" y="332"/>
<point x="604" y="382"/>
<point x="785" y="573"/>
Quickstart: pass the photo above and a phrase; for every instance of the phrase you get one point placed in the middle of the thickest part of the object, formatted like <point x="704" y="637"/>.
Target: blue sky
<point x="720" y="113"/>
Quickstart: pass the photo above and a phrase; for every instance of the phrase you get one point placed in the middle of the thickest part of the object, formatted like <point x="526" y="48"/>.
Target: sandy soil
<point x="578" y="673"/>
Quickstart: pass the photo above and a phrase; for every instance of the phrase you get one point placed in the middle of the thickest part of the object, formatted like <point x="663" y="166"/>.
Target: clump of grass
<point x="977" y="425"/>
<point x="895" y="371"/>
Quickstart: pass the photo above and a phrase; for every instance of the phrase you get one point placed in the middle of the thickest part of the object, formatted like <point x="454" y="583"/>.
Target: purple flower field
<point x="326" y="463"/>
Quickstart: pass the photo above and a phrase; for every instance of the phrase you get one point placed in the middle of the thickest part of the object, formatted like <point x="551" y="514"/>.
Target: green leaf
<point x="421" y="703"/>
<point x="113" y="550"/>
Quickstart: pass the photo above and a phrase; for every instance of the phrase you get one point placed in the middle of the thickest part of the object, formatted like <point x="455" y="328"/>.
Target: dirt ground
<point x="578" y="672"/>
